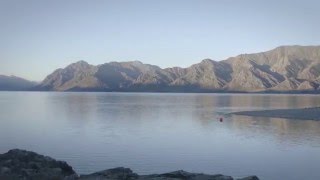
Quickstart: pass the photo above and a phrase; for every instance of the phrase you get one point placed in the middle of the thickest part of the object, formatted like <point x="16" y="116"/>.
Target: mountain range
<point x="283" y="69"/>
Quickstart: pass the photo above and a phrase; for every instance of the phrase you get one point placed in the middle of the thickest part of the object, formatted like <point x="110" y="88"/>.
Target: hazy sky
<point x="38" y="36"/>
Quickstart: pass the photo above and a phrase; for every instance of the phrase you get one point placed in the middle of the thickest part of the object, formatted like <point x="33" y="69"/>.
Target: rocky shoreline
<point x="19" y="164"/>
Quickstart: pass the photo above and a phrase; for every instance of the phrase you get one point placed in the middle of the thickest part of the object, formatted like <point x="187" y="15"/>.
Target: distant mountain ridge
<point x="14" y="83"/>
<point x="285" y="68"/>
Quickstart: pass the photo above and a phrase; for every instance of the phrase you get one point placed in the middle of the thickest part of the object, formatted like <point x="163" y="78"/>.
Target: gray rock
<point x="25" y="165"/>
<point x="126" y="174"/>
<point x="112" y="174"/>
<point x="183" y="175"/>
<point x="249" y="178"/>
<point x="5" y="170"/>
<point x="21" y="164"/>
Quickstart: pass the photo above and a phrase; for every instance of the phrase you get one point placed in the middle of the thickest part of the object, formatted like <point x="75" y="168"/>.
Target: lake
<point x="161" y="132"/>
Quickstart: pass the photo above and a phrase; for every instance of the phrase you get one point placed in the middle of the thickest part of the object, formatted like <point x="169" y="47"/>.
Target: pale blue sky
<point x="38" y="36"/>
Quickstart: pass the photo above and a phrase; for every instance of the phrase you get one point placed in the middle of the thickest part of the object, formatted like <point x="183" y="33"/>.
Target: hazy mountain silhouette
<point x="13" y="83"/>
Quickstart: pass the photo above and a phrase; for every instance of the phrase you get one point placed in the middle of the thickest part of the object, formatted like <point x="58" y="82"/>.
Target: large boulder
<point x="21" y="164"/>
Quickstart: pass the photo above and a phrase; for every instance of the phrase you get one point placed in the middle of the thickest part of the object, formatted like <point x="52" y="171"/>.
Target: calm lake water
<point x="156" y="133"/>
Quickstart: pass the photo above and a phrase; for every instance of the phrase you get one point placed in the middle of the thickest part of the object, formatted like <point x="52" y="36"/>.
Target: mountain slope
<point x="76" y="75"/>
<point x="13" y="83"/>
<point x="268" y="70"/>
<point x="286" y="68"/>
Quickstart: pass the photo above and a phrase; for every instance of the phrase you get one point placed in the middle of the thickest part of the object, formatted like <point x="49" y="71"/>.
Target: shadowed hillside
<point x="13" y="83"/>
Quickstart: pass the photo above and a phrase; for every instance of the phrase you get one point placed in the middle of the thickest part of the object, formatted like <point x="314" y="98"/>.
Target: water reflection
<point x="203" y="109"/>
<point x="154" y="133"/>
<point x="284" y="131"/>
